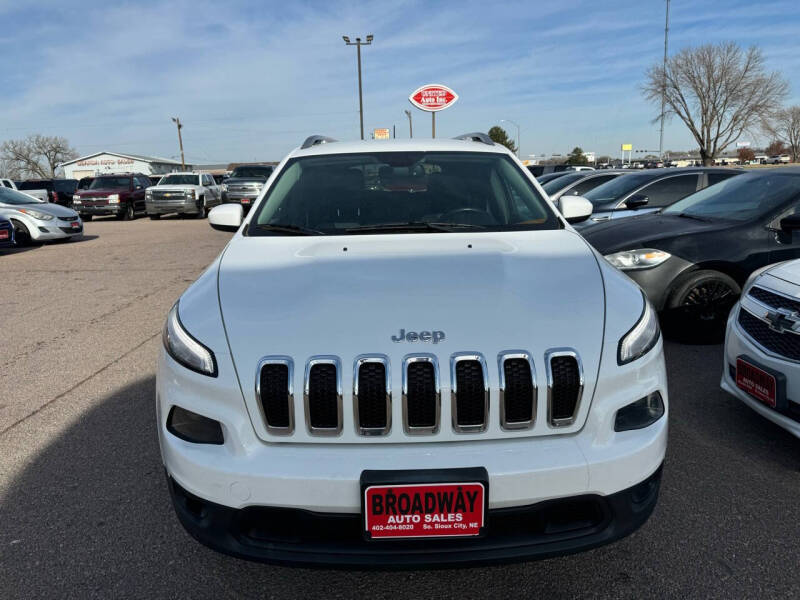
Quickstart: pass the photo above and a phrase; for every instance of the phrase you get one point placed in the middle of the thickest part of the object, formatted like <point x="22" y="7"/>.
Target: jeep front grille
<point x="275" y="394"/>
<point x="323" y="395"/>
<point x="421" y="395"/>
<point x="372" y="397"/>
<point x="564" y="386"/>
<point x="517" y="390"/>
<point x="469" y="392"/>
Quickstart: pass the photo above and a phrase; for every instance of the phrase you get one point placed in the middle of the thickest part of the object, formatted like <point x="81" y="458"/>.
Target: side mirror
<point x="790" y="223"/>
<point x="226" y="217"/>
<point x="574" y="208"/>
<point x="636" y="201"/>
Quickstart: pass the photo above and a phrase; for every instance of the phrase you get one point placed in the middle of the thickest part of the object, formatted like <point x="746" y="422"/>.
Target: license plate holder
<point x="427" y="503"/>
<point x="765" y="385"/>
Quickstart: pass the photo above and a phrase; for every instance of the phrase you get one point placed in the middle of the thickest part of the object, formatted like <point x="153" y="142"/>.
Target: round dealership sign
<point x="433" y="97"/>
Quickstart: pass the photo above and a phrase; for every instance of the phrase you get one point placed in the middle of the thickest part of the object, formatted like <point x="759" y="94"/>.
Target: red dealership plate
<point x="756" y="382"/>
<point x="424" y="510"/>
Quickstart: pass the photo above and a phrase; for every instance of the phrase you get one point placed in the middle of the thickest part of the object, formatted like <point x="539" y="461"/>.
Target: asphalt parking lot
<point x="84" y="510"/>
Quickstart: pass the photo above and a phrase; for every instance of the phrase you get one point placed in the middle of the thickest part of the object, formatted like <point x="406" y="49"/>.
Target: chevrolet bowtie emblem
<point x="783" y="319"/>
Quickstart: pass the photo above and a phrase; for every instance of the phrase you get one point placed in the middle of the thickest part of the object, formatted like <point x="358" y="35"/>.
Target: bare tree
<point x="784" y="126"/>
<point x="36" y="155"/>
<point x="719" y="92"/>
<point x="775" y="148"/>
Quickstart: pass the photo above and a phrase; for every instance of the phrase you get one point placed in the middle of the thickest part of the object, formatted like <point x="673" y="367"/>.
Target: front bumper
<point x="105" y="209"/>
<point x="185" y="206"/>
<point x="245" y="201"/>
<point x="53" y="230"/>
<point x="299" y="537"/>
<point x="737" y="343"/>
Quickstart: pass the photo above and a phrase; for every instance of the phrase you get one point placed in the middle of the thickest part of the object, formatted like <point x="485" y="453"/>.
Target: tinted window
<point x="717" y="177"/>
<point x="36" y="185"/>
<point x="336" y="194"/>
<point x="9" y="196"/>
<point x="558" y="184"/>
<point x="616" y="188"/>
<point x="252" y="171"/>
<point x="549" y="177"/>
<point x="84" y="183"/>
<point x="179" y="180"/>
<point x="666" y="191"/>
<point x="589" y="183"/>
<point x="740" y="198"/>
<point x="66" y="186"/>
<point x="111" y="183"/>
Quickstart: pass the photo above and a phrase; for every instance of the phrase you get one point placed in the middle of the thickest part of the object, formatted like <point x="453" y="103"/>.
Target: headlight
<point x="76" y="199"/>
<point x="148" y="195"/>
<point x="36" y="214"/>
<point x="190" y="193"/>
<point x="641" y="338"/>
<point x="645" y="258"/>
<point x="224" y="187"/>
<point x="113" y="199"/>
<point x="181" y="346"/>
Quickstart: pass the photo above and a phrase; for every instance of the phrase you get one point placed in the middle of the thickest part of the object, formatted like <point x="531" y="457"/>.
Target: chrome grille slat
<point x="372" y="395"/>
<point x="564" y="386"/>
<point x="470" y="405"/>
<point x="322" y="395"/>
<point x="421" y="394"/>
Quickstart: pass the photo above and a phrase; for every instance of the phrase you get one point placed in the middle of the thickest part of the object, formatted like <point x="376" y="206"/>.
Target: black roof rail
<point x="475" y="137"/>
<point x="315" y="140"/>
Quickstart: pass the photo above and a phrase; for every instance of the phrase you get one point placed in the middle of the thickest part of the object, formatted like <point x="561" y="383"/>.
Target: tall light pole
<point x="358" y="43"/>
<point x="664" y="88"/>
<point x="410" y="129"/>
<point x="517" y="126"/>
<point x="177" y="122"/>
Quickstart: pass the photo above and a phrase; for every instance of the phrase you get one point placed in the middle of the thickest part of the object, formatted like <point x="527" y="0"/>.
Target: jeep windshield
<point x="401" y="192"/>
<point x="179" y="180"/>
<point x="102" y="183"/>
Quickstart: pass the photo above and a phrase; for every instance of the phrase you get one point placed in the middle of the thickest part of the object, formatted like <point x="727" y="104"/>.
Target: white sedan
<point x="36" y="220"/>
<point x="762" y="345"/>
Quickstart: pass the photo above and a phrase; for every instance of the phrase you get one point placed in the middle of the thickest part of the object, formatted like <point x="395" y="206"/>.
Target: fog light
<point x="640" y="414"/>
<point x="194" y="428"/>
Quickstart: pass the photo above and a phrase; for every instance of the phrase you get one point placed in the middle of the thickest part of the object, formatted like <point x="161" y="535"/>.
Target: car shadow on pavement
<point x="90" y="516"/>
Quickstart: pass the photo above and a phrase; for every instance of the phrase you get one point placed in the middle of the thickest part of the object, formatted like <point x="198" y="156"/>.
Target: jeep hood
<point x="348" y="295"/>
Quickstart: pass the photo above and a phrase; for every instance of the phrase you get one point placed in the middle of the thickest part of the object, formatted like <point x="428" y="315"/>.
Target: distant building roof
<point x="149" y="159"/>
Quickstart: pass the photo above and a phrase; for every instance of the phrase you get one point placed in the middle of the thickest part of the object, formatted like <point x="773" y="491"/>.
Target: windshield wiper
<point x="290" y="229"/>
<point x="413" y="226"/>
<point x="695" y="217"/>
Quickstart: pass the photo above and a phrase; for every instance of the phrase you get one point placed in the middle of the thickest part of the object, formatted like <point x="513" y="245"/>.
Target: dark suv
<point x="121" y="195"/>
<point x="59" y="191"/>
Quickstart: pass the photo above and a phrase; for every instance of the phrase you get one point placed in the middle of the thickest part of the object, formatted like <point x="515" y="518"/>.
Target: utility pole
<point x="358" y="43"/>
<point x="177" y="122"/>
<point x="410" y="129"/>
<point x="517" y="126"/>
<point x="664" y="89"/>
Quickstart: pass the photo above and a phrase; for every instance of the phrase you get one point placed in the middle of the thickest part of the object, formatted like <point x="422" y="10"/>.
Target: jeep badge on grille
<point x="422" y="336"/>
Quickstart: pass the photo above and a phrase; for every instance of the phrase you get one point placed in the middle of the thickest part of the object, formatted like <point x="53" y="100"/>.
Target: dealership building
<point x="101" y="163"/>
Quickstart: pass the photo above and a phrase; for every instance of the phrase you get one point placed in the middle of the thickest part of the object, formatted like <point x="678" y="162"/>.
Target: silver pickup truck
<point x="183" y="193"/>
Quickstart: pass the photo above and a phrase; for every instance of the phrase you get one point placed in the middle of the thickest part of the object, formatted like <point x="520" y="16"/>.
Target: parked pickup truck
<point x="57" y="191"/>
<point x="121" y="195"/>
<point x="245" y="183"/>
<point x="183" y="193"/>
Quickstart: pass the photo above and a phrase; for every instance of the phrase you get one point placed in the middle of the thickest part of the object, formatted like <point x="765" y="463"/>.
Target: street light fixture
<point x="358" y="43"/>
<point x="410" y="130"/>
<point x="517" y="126"/>
<point x="177" y="122"/>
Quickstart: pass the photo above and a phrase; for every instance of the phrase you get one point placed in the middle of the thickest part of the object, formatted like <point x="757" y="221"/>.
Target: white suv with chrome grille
<point x="406" y="356"/>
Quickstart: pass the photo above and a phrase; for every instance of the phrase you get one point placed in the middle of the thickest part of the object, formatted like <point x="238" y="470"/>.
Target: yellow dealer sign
<point x="380" y="134"/>
<point x="627" y="147"/>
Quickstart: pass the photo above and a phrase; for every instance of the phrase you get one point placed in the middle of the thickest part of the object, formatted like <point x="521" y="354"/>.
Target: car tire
<point x="698" y="307"/>
<point x="129" y="214"/>
<point x="22" y="237"/>
<point x="201" y="209"/>
<point x="85" y="218"/>
<point x="154" y="217"/>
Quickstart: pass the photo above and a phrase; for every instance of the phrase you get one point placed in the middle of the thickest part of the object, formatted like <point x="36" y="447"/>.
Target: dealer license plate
<point x="756" y="382"/>
<point x="424" y="510"/>
<point x="75" y="225"/>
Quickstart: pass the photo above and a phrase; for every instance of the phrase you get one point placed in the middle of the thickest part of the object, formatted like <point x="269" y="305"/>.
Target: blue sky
<point x="251" y="79"/>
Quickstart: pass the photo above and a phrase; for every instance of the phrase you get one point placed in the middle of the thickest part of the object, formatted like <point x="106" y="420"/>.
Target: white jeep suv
<point x="406" y="356"/>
